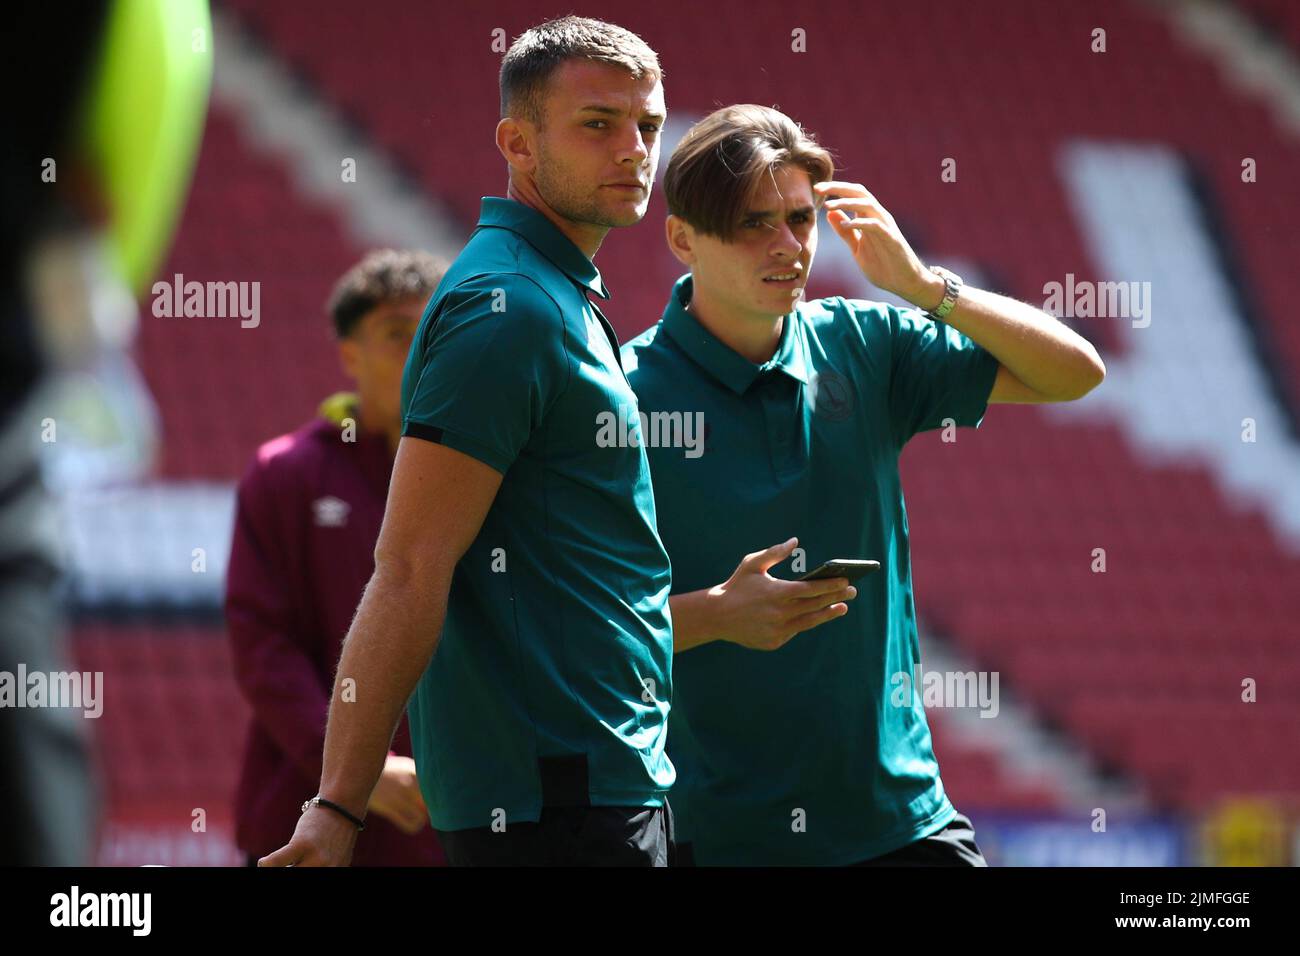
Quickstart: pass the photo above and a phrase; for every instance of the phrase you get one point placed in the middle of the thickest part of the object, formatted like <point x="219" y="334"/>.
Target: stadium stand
<point x="1142" y="665"/>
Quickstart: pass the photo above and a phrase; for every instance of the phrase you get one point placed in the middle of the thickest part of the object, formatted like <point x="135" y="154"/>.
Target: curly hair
<point x="382" y="276"/>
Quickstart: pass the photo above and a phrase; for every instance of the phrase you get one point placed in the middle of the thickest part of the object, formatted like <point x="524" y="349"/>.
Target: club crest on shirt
<point x="830" y="396"/>
<point x="330" y="512"/>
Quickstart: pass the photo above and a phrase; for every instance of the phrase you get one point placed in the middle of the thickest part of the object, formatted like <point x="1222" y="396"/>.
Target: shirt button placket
<point x="780" y="415"/>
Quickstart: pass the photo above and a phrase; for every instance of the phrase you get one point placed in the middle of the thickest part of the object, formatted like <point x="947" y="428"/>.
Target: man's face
<point x="374" y="354"/>
<point x="777" y="235"/>
<point x="601" y="133"/>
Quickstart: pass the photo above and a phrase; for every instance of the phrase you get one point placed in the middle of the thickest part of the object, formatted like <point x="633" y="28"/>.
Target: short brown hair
<point x="716" y="169"/>
<point x="537" y="53"/>
<point x="384" y="275"/>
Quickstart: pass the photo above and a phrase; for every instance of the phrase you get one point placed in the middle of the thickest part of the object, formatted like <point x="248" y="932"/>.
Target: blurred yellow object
<point x="142" y="122"/>
<point x="339" y="407"/>
<point x="1246" y="832"/>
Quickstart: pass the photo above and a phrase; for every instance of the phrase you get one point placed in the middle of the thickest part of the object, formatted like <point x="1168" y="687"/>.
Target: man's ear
<point x="515" y="139"/>
<point x="681" y="239"/>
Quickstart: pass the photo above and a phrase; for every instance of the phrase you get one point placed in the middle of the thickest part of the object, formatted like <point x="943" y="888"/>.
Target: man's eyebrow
<point x="615" y="111"/>
<point x="769" y="214"/>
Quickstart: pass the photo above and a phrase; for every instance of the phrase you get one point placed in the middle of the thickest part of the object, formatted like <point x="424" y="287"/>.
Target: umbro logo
<point x="330" y="512"/>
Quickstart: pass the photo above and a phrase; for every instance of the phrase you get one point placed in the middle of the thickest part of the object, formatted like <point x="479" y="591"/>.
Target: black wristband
<point x="321" y="801"/>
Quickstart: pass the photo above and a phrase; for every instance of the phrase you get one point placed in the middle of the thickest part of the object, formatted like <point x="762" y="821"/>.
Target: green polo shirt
<point x="799" y="755"/>
<point x="551" y="681"/>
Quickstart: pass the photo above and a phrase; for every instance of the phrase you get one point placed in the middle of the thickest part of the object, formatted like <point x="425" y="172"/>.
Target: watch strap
<point x="952" y="284"/>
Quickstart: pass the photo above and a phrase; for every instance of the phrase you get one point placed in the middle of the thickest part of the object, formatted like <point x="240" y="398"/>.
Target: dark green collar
<point x="543" y="236"/>
<point x="718" y="359"/>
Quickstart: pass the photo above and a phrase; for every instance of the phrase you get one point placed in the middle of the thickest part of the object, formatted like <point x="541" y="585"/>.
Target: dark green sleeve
<point x="492" y="361"/>
<point x="935" y="373"/>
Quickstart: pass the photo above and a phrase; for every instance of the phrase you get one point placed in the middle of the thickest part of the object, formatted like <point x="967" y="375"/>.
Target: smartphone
<point x="842" y="568"/>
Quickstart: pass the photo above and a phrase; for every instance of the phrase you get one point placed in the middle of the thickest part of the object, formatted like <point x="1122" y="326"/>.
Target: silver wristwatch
<point x="952" y="288"/>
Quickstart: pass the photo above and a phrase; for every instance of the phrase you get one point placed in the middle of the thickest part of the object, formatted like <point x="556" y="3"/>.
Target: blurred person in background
<point x="308" y="516"/>
<point x="94" y="177"/>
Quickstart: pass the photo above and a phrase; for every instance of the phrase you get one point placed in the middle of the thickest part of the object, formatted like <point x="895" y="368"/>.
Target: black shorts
<point x="570" y="836"/>
<point x="954" y="845"/>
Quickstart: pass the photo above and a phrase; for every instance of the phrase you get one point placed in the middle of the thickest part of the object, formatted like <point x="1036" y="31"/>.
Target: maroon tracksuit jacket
<point x="307" y="519"/>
